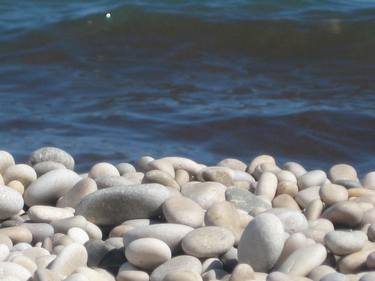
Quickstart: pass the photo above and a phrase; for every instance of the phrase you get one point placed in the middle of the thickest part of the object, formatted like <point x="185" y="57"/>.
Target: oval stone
<point x="52" y="154"/>
<point x="205" y="194"/>
<point x="342" y="172"/>
<point x="103" y="169"/>
<point x="11" y="202"/>
<point x="6" y="160"/>
<point x="345" y="213"/>
<point x="342" y="243"/>
<point x="312" y="178"/>
<point x="47" y="166"/>
<point x="333" y="193"/>
<point x="111" y="206"/>
<point x="20" y="172"/>
<point x="245" y="200"/>
<point x="74" y="196"/>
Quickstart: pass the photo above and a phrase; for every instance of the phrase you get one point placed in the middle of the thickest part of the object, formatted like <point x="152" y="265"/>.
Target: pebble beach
<point x="174" y="219"/>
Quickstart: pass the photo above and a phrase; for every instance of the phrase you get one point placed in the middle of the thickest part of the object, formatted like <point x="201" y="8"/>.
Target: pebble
<point x="74" y="196"/>
<point x="205" y="193"/>
<point x="260" y="160"/>
<point x="17" y="186"/>
<point x="368" y="180"/>
<point x="209" y="241"/>
<point x="307" y="195"/>
<point x="293" y="220"/>
<point x="342" y="172"/>
<point x="40" y="213"/>
<point x="125" y="168"/>
<point x="287" y="187"/>
<point x="344" y="213"/>
<point x="222" y="175"/>
<point x="44" y="167"/>
<point x="370" y="261"/>
<point x="78" y="235"/>
<point x="171" y="234"/>
<point x="52" y="154"/>
<point x="15" y="270"/>
<point x="245" y="200"/>
<point x="176" y="264"/>
<point x="103" y="169"/>
<point x="6" y="160"/>
<point x="186" y="275"/>
<point x="161" y="177"/>
<point x="314" y="209"/>
<point x="342" y="243"/>
<point x="297" y="169"/>
<point x="183" y="210"/>
<point x="334" y="276"/>
<point x="39" y="231"/>
<point x="112" y="181"/>
<point x="111" y="206"/>
<point x="186" y="164"/>
<point x="368" y="277"/>
<point x="333" y="193"/>
<point x="162" y="165"/>
<point x="233" y="164"/>
<point x="48" y="188"/>
<point x="17" y="234"/>
<point x="182" y="177"/>
<point x="262" y="242"/>
<point x="311" y="178"/>
<point x="267" y="186"/>
<point x="20" y="172"/>
<point x="147" y="253"/>
<point x="285" y="201"/>
<point x="4" y="252"/>
<point x="242" y="272"/>
<point x="354" y="262"/>
<point x="11" y="202"/>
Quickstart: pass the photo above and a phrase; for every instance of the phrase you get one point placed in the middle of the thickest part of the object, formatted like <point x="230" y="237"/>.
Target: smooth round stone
<point x="162" y="165"/>
<point x="74" y="196"/>
<point x="242" y="272"/>
<point x="370" y="261"/>
<point x="4" y="239"/>
<point x="26" y="262"/>
<point x="103" y="169"/>
<point x="285" y="201"/>
<point x="182" y="177"/>
<point x="368" y="180"/>
<point x="44" y="167"/>
<point x="302" y="261"/>
<point x="267" y="186"/>
<point x="6" y="160"/>
<point x="183" y="210"/>
<point x="112" y="181"/>
<point x="120" y="230"/>
<point x="205" y="194"/>
<point x="224" y="214"/>
<point x="265" y="167"/>
<point x="17" y="234"/>
<point x="17" y="186"/>
<point x="260" y="160"/>
<point x="176" y="264"/>
<point x="14" y="270"/>
<point x="209" y="241"/>
<point x="293" y="220"/>
<point x="333" y="193"/>
<point x="334" y="276"/>
<point x="132" y="275"/>
<point x="140" y="222"/>
<point x="286" y="176"/>
<point x="69" y="259"/>
<point x="11" y="202"/>
<point x="111" y="206"/>
<point x="78" y="235"/>
<point x="314" y="209"/>
<point x="245" y="200"/>
<point x="318" y="229"/>
<point x="355" y="262"/>
<point x="39" y="231"/>
<point x="292" y="243"/>
<point x="183" y="163"/>
<point x="147" y="253"/>
<point x="306" y="196"/>
<point x="287" y="187"/>
<point x="49" y="187"/>
<point x="171" y="234"/>
<point x="161" y="177"/>
<point x="232" y="163"/>
<point x="368" y="277"/>
<point x="116" y="242"/>
<point x="344" y="213"/>
<point x="142" y="163"/>
<point x="125" y="168"/>
<point x="262" y="242"/>
<point x="342" y="243"/>
<point x="222" y="175"/>
<point x="96" y="250"/>
<point x="319" y="272"/>
<point x="342" y="172"/>
<point x="312" y="178"/>
<point x="21" y="172"/>
<point x="4" y="252"/>
<point x="40" y="213"/>
<point x="52" y="154"/>
<point x="182" y="276"/>
<point x="136" y="177"/>
<point x="230" y="258"/>
<point x="297" y="169"/>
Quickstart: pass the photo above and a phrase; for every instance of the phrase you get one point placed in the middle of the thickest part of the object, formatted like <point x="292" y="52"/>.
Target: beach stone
<point x="17" y="186"/>
<point x="318" y="229"/>
<point x="44" y="167"/>
<point x="265" y="167"/>
<point x="14" y="270"/>
<point x="161" y="177"/>
<point x="111" y="206"/>
<point x="368" y="180"/>
<point x="334" y="276"/>
<point x="135" y="178"/>
<point x="285" y="201"/>
<point x="112" y="260"/>
<point x="370" y="261"/>
<point x="6" y="160"/>
<point x="182" y="276"/>
<point x="294" y="242"/>
<point x="11" y="202"/>
<point x="344" y="213"/>
<point x="267" y="186"/>
<point x="224" y="214"/>
<point x="183" y="210"/>
<point x="140" y="222"/>
<point x="292" y="220"/>
<point x="205" y="194"/>
<point x="69" y="259"/>
<point x="262" y="242"/>
<point x="4" y="252"/>
<point x="182" y="177"/>
<point x="302" y="261"/>
<point x="260" y="160"/>
<point x="163" y="166"/>
<point x="78" y="235"/>
<point x="287" y="187"/>
<point x="215" y="274"/>
<point x="342" y="172"/>
<point x="49" y="187"/>
<point x="245" y="200"/>
<point x="147" y="253"/>
<point x="25" y="262"/>
<point x="242" y="272"/>
<point x="39" y="231"/>
<point x="371" y="233"/>
<point x="120" y="230"/>
<point x="333" y="193"/>
<point x="232" y="163"/>
<point x="21" y="172"/>
<point x="176" y="264"/>
<point x="311" y="178"/>
<point x="307" y="195"/>
<point x="286" y="176"/>
<point x="222" y="175"/>
<point x="96" y="250"/>
<point x="320" y="271"/>
<point x="314" y="209"/>
<point x="132" y="275"/>
<point x="125" y="168"/>
<point x="171" y="234"/>
<point x="17" y="234"/>
<point x="297" y="169"/>
<point x="52" y="154"/>
<point x="116" y="242"/>
<point x="103" y="169"/>
<point x="355" y="262"/>
<point x="74" y="196"/>
<point x="342" y="243"/>
<point x="368" y="277"/>
<point x="40" y="213"/>
<point x="184" y="163"/>
<point x="209" y="241"/>
<point x="4" y="239"/>
<point x="112" y="181"/>
<point x="230" y="259"/>
<point x="142" y="163"/>
<point x="63" y="225"/>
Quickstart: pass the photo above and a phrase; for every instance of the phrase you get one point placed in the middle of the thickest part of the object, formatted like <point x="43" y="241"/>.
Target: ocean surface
<point x="115" y="80"/>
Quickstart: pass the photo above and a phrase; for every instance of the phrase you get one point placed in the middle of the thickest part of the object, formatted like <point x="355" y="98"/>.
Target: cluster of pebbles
<point x="173" y="219"/>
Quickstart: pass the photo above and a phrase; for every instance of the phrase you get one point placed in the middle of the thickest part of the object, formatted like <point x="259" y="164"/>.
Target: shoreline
<point x="174" y="219"/>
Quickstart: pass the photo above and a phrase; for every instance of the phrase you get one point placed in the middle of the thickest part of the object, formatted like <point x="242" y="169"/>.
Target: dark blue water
<point x="202" y="79"/>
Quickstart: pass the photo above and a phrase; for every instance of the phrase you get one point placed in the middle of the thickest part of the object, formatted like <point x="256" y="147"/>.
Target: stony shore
<point x="173" y="219"/>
